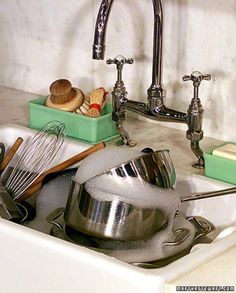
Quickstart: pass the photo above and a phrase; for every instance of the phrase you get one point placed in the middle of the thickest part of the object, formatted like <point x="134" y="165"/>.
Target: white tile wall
<point x="42" y="40"/>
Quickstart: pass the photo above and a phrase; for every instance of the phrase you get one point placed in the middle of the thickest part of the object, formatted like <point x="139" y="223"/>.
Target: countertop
<point x="14" y="110"/>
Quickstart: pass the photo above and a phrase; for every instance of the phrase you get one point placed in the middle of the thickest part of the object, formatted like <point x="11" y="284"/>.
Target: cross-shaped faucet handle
<point x="197" y="77"/>
<point x="120" y="61"/>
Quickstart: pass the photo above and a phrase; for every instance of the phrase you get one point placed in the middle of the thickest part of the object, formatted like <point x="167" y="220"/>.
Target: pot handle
<point x="53" y="216"/>
<point x="180" y="236"/>
<point x="209" y="194"/>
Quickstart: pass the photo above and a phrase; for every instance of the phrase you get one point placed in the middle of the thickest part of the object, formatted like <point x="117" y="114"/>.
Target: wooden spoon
<point x="38" y="183"/>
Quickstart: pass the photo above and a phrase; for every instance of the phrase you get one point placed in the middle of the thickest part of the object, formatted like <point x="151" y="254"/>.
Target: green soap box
<point x="220" y="168"/>
<point x="91" y="130"/>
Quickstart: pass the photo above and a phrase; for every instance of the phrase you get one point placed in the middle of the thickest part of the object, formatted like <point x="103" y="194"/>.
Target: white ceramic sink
<point x="35" y="262"/>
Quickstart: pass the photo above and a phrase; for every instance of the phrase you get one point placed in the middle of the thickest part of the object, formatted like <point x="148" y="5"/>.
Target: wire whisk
<point x="34" y="157"/>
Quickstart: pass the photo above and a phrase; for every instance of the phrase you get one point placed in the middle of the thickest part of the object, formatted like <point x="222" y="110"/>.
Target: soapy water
<point x="54" y="194"/>
<point x="134" y="191"/>
<point x="104" y="160"/>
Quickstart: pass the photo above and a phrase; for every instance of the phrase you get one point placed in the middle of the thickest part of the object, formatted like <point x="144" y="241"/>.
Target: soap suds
<point x="104" y="160"/>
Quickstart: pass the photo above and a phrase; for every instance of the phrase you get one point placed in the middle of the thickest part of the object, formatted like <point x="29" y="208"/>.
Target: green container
<point x="91" y="130"/>
<point x="220" y="168"/>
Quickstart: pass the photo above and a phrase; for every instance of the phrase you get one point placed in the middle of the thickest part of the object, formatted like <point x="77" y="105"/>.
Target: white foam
<point x="135" y="191"/>
<point x="104" y="160"/>
<point x="53" y="195"/>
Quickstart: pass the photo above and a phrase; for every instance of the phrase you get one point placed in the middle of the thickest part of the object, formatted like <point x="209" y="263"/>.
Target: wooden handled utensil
<point x="2" y="152"/>
<point x="77" y="158"/>
<point x="11" y="154"/>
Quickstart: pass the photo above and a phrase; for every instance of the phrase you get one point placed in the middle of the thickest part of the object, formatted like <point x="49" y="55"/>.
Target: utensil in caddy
<point x="2" y="152"/>
<point x="33" y="158"/>
<point x="23" y="168"/>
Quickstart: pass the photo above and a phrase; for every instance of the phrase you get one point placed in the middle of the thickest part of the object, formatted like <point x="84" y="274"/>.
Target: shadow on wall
<point x="70" y="37"/>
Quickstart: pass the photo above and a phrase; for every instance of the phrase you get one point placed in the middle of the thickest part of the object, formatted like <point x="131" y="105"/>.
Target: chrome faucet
<point x="154" y="108"/>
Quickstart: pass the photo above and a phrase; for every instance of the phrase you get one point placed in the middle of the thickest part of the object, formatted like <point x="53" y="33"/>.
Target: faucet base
<point x="199" y="165"/>
<point x="130" y="143"/>
<point x="195" y="147"/>
<point x="125" y="139"/>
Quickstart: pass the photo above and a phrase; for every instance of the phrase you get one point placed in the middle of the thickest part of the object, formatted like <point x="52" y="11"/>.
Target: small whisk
<point x="34" y="158"/>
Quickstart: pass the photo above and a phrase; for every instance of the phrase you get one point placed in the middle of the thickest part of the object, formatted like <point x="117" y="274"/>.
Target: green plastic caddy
<point x="91" y="130"/>
<point x="220" y="168"/>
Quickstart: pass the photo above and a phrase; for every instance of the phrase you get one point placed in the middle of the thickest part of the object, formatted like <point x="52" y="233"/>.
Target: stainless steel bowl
<point x="116" y="218"/>
<point x="156" y="168"/>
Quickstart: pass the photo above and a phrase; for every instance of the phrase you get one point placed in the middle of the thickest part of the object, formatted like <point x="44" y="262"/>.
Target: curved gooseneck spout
<point x="155" y="108"/>
<point x="100" y="30"/>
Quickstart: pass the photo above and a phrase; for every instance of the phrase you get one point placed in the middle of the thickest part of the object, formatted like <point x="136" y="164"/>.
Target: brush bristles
<point x="93" y="113"/>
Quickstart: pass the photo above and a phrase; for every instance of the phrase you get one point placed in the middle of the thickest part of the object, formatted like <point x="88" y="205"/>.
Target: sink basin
<point x="219" y="210"/>
<point x="32" y="261"/>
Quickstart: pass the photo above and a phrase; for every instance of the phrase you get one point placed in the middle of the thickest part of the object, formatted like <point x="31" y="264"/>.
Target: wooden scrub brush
<point x="83" y="109"/>
<point x="97" y="101"/>
<point x="64" y="96"/>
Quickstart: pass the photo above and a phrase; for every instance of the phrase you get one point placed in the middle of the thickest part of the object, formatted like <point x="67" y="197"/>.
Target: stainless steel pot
<point x="115" y="218"/>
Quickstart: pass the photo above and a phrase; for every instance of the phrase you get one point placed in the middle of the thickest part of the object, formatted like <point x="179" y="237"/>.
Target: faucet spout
<point x="100" y="29"/>
<point x="156" y="89"/>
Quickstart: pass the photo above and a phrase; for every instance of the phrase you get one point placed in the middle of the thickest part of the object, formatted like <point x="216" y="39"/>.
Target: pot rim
<point x="125" y="163"/>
